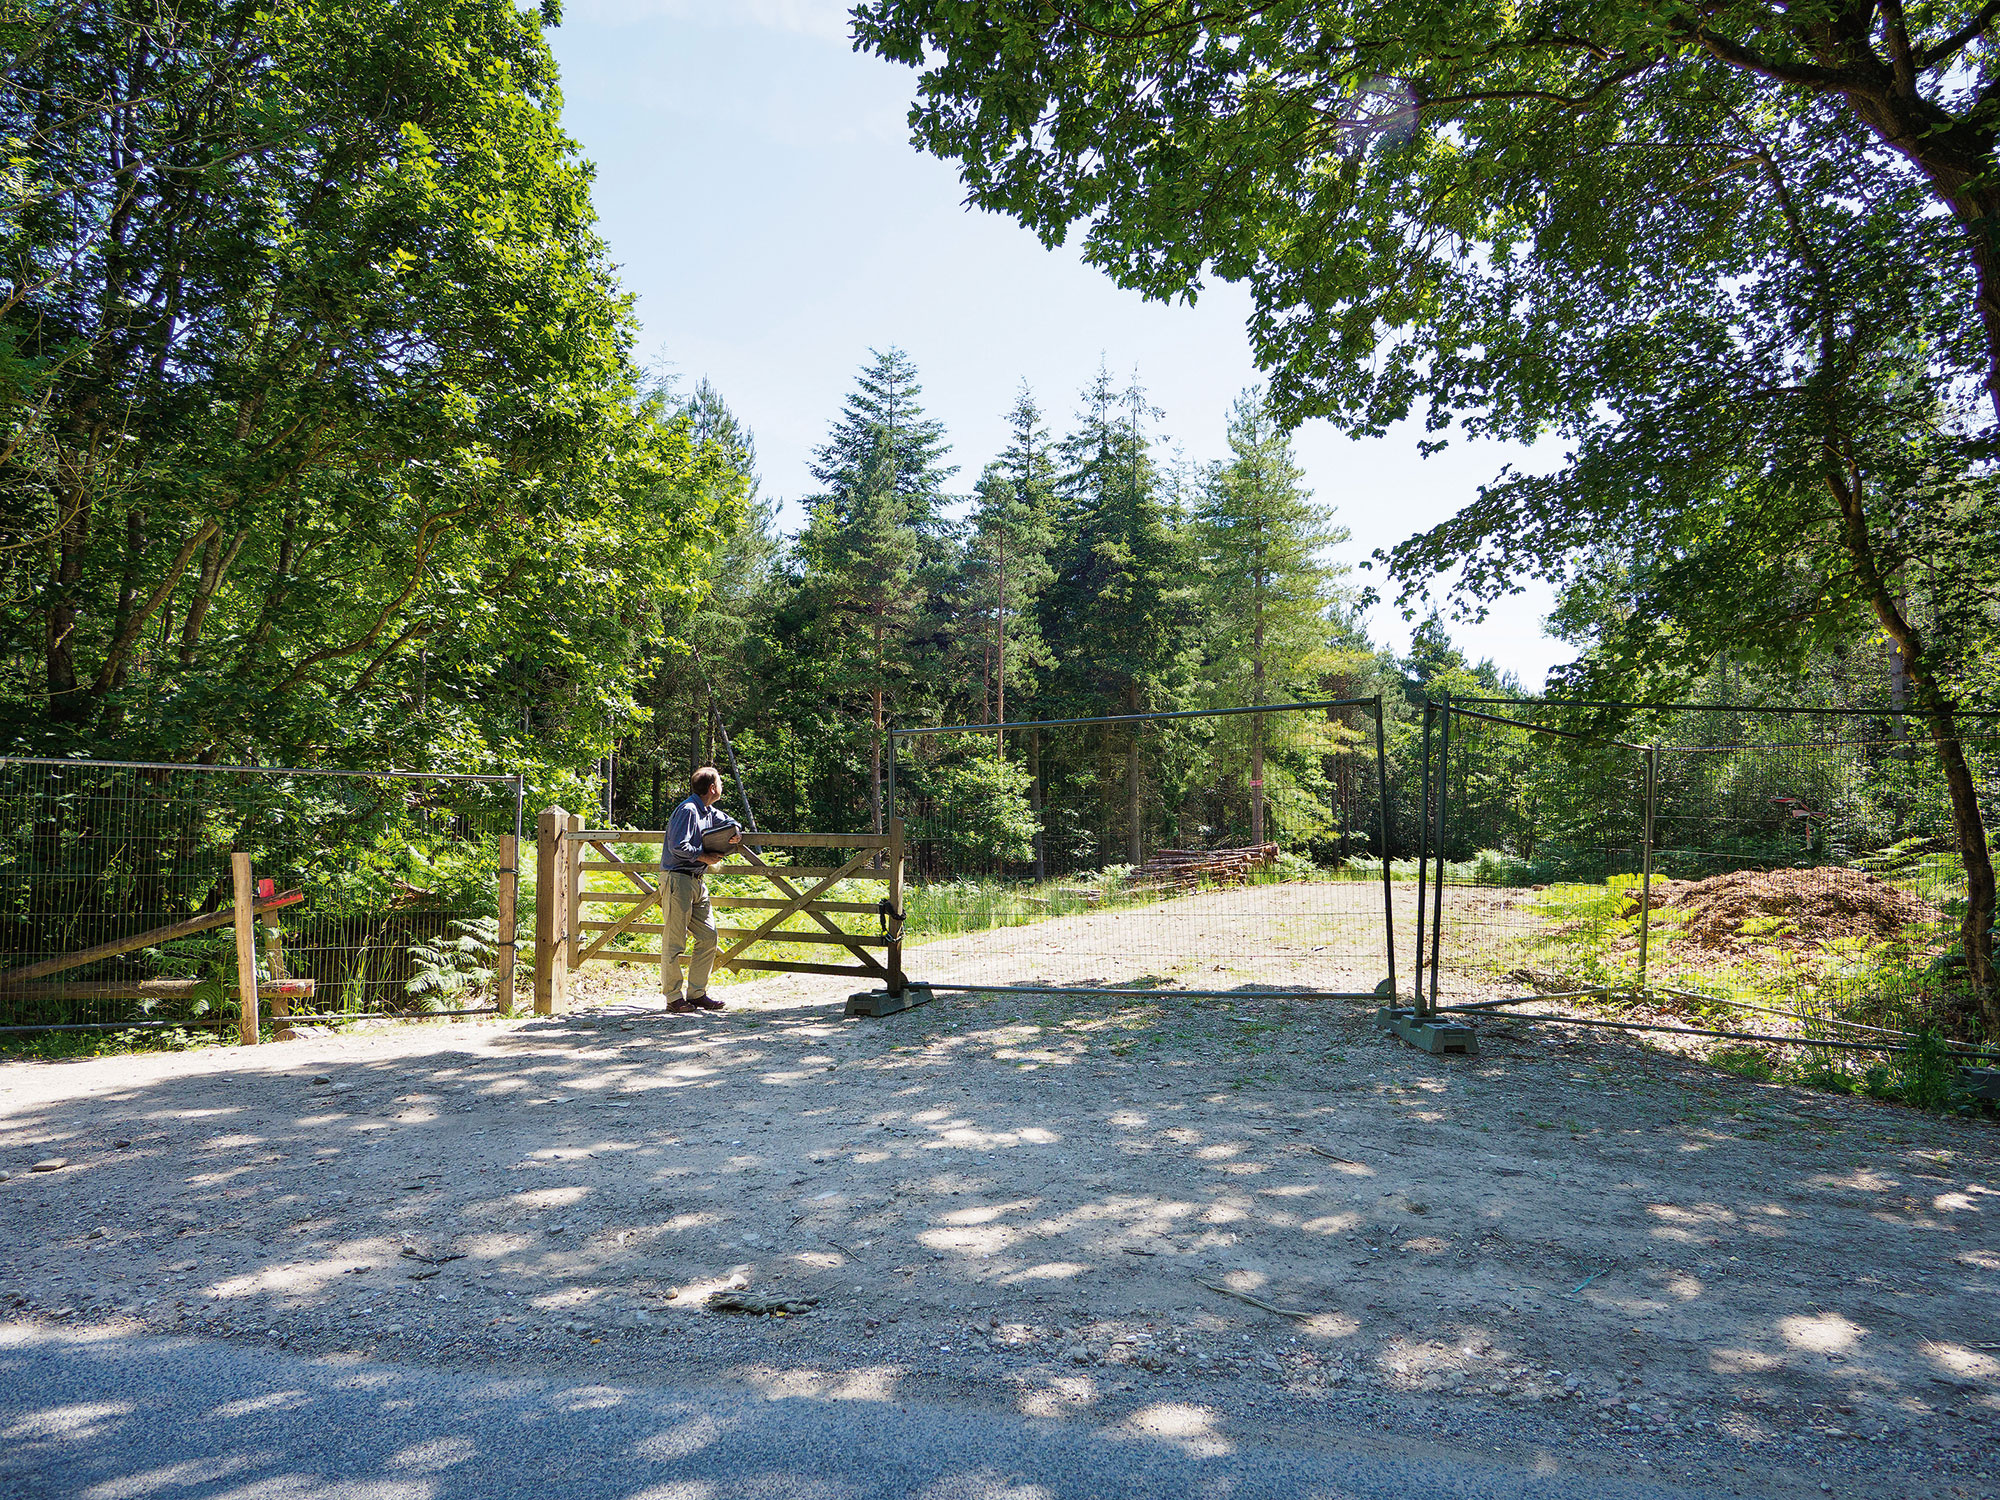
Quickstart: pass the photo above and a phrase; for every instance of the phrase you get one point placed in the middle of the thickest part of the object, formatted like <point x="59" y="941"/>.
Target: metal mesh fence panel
<point x="1523" y="815"/>
<point x="128" y="868"/>
<point x="1208" y="852"/>
<point x="1750" y="868"/>
<point x="1810" y="866"/>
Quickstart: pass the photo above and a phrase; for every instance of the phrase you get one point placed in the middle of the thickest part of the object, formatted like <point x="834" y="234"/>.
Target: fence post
<point x="1437" y="890"/>
<point x="551" y="890"/>
<point x="1652" y="758"/>
<point x="507" y="897"/>
<point x="889" y="797"/>
<point x="896" y="981"/>
<point x="245" y="894"/>
<point x="274" y="963"/>
<point x="572" y="856"/>
<point x="1423" y="856"/>
<point x="1382" y="802"/>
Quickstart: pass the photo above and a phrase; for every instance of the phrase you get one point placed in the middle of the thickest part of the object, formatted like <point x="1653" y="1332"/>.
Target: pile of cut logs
<point x="1189" y="869"/>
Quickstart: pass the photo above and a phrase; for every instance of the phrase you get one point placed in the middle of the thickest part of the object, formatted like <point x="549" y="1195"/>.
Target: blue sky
<point x="759" y="192"/>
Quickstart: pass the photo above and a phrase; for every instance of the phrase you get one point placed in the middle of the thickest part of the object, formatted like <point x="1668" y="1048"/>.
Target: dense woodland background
<point x="325" y="443"/>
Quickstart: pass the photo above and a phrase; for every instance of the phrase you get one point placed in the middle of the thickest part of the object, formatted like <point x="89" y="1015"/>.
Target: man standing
<point x="685" y="859"/>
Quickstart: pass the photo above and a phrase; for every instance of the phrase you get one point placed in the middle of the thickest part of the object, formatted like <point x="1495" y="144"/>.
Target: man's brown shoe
<point x="680" y="1007"/>
<point x="704" y="1002"/>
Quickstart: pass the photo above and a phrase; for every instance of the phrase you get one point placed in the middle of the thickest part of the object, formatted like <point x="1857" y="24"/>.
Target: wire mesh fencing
<point x="378" y="893"/>
<point x="1517" y="807"/>
<point x="1210" y="852"/>
<point x="1770" y="874"/>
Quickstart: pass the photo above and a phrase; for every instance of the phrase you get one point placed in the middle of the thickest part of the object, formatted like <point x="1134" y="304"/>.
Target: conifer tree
<point x="875" y="547"/>
<point x="1268" y="589"/>
<point x="1007" y="561"/>
<point x="1117" y="611"/>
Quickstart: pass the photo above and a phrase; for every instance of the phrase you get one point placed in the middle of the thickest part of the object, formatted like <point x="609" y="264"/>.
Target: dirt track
<point x="1308" y="935"/>
<point x="1566" y="1244"/>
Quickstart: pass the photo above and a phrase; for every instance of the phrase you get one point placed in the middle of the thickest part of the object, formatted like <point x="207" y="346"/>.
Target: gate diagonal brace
<point x="1430" y="1036"/>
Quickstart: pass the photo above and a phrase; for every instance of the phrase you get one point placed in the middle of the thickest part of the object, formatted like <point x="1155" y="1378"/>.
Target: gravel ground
<point x="1257" y="1209"/>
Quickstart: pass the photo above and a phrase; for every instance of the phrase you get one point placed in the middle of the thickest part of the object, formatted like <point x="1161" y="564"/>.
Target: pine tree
<point x="1007" y="562"/>
<point x="1117" y="612"/>
<point x="1270" y="593"/>
<point x="876" y="546"/>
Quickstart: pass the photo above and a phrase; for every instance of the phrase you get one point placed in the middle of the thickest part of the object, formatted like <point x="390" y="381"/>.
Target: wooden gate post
<point x="245" y="894"/>
<point x="507" y="896"/>
<point x="551" y="918"/>
<point x="896" y="982"/>
<point x="573" y="848"/>
<point x="897" y="994"/>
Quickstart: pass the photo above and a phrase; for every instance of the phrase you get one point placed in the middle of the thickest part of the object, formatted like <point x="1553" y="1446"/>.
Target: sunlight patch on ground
<point x="1967" y="1364"/>
<point x="434" y="1456"/>
<point x="1192" y="1429"/>
<point x="692" y="1436"/>
<point x="170" y="1477"/>
<point x="1050" y="1270"/>
<point x="1742" y="1362"/>
<point x="695" y="1293"/>
<point x="985" y="1241"/>
<point x="302" y="1277"/>
<point x="1342" y="1223"/>
<point x="986" y="1213"/>
<point x="79" y="1421"/>
<point x="1330" y="1325"/>
<point x="535" y="1200"/>
<point x="1821" y="1333"/>
<point x="269" y="1401"/>
<point x="1051" y="1398"/>
<point x="1860" y="1180"/>
<point x="493" y="1246"/>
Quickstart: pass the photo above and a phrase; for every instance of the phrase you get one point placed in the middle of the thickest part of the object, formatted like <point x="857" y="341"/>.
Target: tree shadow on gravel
<point x="1054" y="1206"/>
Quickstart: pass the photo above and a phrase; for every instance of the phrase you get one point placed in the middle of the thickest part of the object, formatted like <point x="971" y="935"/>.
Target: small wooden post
<point x="274" y="963"/>
<point x="551" y="891"/>
<point x="573" y="872"/>
<point x="246" y="947"/>
<point x="896" y="983"/>
<point x="506" y="895"/>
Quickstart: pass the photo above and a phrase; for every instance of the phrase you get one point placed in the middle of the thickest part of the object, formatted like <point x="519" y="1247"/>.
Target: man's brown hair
<point x="704" y="781"/>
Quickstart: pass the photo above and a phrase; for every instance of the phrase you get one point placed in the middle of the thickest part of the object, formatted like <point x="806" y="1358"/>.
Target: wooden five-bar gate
<point x="568" y="935"/>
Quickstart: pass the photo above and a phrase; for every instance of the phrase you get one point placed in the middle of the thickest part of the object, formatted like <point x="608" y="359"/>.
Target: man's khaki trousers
<point x="684" y="908"/>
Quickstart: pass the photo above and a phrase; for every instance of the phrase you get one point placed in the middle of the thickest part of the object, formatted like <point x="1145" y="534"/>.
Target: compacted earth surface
<point x="1204" y="1220"/>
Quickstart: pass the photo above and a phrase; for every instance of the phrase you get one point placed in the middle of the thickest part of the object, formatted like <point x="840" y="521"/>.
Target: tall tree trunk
<point x="1981" y="903"/>
<point x="1036" y="794"/>
<point x="1104" y="785"/>
<point x="1000" y="717"/>
<point x="875" y="740"/>
<point x="986" y="678"/>
<point x="1134" y="828"/>
<point x="1257" y="723"/>
<point x="66" y="702"/>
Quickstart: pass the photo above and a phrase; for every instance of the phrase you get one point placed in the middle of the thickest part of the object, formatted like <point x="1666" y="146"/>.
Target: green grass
<point x="59" y="1046"/>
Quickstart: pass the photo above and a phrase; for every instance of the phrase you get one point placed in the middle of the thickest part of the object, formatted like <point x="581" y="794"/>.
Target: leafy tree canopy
<point x="319" y="409"/>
